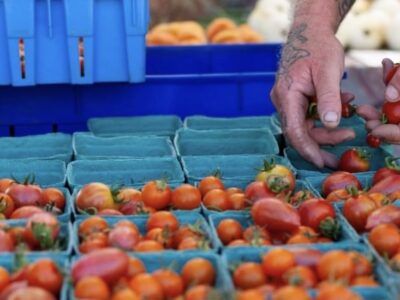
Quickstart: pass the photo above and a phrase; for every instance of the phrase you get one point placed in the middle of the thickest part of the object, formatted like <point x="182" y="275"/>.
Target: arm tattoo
<point x="344" y="7"/>
<point x="292" y="52"/>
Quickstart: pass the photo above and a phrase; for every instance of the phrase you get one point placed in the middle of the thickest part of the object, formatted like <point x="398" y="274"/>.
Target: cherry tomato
<point x="42" y="230"/>
<point x="25" y="194"/>
<point x="249" y="275"/>
<point x="238" y="201"/>
<point x="355" y="160"/>
<point x="339" y="180"/>
<point x="108" y="264"/>
<point x="157" y="194"/>
<point x="92" y="225"/>
<point x="229" y="230"/>
<point x="363" y="267"/>
<point x="95" y="196"/>
<point x="384" y="215"/>
<point x="257" y="190"/>
<point x="234" y="190"/>
<point x="25" y="212"/>
<point x="391" y="168"/>
<point x="320" y="215"/>
<point x="275" y="215"/>
<point x="7" y="205"/>
<point x="198" y="271"/>
<point x="6" y="242"/>
<point x="92" y="287"/>
<point x="45" y="274"/>
<point x="125" y="294"/>
<point x="31" y="293"/>
<point x="217" y="200"/>
<point x="253" y="234"/>
<point x="335" y="265"/>
<point x="386" y="186"/>
<point x="238" y="243"/>
<point x="170" y="281"/>
<point x="300" y="276"/>
<point x="210" y="183"/>
<point x="123" y="237"/>
<point x="391" y="112"/>
<point x="386" y="239"/>
<point x="186" y="197"/>
<point x="131" y="201"/>
<point x="253" y="294"/>
<point x="277" y="262"/>
<point x="136" y="267"/>
<point x="373" y="141"/>
<point x="163" y="219"/>
<point x="198" y="292"/>
<point x="336" y="291"/>
<point x="93" y="242"/>
<point x="162" y="235"/>
<point x="357" y="210"/>
<point x="187" y="231"/>
<point x="291" y="293"/>
<point x="5" y="183"/>
<point x="271" y="169"/>
<point x="148" y="246"/>
<point x="147" y="287"/>
<point x="348" y="110"/>
<point x="53" y="197"/>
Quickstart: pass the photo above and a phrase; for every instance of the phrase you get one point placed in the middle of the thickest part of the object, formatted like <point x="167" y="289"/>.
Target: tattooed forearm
<point x="292" y="52"/>
<point x="344" y="7"/>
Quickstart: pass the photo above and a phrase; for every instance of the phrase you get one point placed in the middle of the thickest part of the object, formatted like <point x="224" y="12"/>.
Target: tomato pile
<point x="22" y="200"/>
<point x="306" y="268"/>
<point x="163" y="232"/>
<point x="42" y="279"/>
<point x="112" y="274"/>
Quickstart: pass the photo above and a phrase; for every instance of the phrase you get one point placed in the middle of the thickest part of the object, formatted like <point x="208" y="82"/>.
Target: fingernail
<point x="331" y="117"/>
<point x="391" y="93"/>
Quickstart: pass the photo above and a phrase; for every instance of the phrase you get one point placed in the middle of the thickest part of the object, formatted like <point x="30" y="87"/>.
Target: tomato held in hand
<point x="275" y="215"/>
<point x="391" y="112"/>
<point x="348" y="110"/>
<point x="373" y="141"/>
<point x="339" y="180"/>
<point x="355" y="160"/>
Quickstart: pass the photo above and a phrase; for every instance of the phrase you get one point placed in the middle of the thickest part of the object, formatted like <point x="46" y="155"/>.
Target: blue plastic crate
<point x="48" y="173"/>
<point x="88" y="146"/>
<point x="210" y="59"/>
<point x="212" y="123"/>
<point x="65" y="235"/>
<point x="147" y="125"/>
<point x="9" y="263"/>
<point x="51" y="33"/>
<point x="236" y="170"/>
<point x="307" y="169"/>
<point x="65" y="108"/>
<point x="55" y="146"/>
<point x="233" y="256"/>
<point x="188" y="218"/>
<point x="225" y="142"/>
<point x="176" y="261"/>
<point x="130" y="172"/>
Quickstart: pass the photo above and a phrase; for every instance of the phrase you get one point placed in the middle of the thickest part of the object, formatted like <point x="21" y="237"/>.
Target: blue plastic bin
<point x="56" y="146"/>
<point x="225" y="142"/>
<point x="236" y="170"/>
<point x="162" y="60"/>
<point x="88" y="146"/>
<point x="47" y="173"/>
<point x="130" y="172"/>
<point x="9" y="263"/>
<point x="65" y="108"/>
<point x="65" y="235"/>
<point x="48" y="37"/>
<point x="233" y="256"/>
<point x="188" y="218"/>
<point x="147" y="125"/>
<point x="306" y="169"/>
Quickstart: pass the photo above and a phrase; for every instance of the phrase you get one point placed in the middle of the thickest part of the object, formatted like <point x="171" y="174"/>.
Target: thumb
<point x="327" y="87"/>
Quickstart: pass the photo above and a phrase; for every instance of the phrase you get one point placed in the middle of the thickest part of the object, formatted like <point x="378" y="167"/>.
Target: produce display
<point x="220" y="31"/>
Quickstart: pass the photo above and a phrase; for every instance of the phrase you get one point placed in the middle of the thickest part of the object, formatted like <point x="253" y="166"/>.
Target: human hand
<point x="389" y="133"/>
<point x="311" y="67"/>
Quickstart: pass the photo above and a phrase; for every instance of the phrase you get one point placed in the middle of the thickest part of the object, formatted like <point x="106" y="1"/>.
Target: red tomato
<point x="348" y="110"/>
<point x="257" y="190"/>
<point x="45" y="274"/>
<point x="7" y="205"/>
<point x="25" y="194"/>
<point x="163" y="220"/>
<point x="275" y="215"/>
<point x="357" y="210"/>
<point x="42" y="230"/>
<point x="95" y="196"/>
<point x="391" y="168"/>
<point x="391" y="73"/>
<point x="355" y="160"/>
<point x="108" y="264"/>
<point x="131" y="201"/>
<point x="391" y="112"/>
<point x="53" y="197"/>
<point x="385" y="215"/>
<point x="157" y="194"/>
<point x="373" y="141"/>
<point x="229" y="230"/>
<point x="25" y="212"/>
<point x="123" y="237"/>
<point x="339" y="180"/>
<point x="6" y="242"/>
<point x="186" y="197"/>
<point x="319" y="215"/>
<point x="217" y="200"/>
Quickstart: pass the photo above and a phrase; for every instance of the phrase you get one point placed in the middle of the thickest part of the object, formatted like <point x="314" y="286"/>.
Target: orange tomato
<point x="198" y="271"/>
<point x="229" y="230"/>
<point x="337" y="265"/>
<point x="92" y="287"/>
<point x="278" y="261"/>
<point x="171" y="282"/>
<point x="210" y="183"/>
<point x="4" y="278"/>
<point x="186" y="197"/>
<point x="157" y="194"/>
<point x="217" y="200"/>
<point x="147" y="287"/>
<point x="249" y="275"/>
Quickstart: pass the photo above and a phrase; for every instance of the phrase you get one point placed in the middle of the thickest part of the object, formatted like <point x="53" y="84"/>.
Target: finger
<point x="293" y="116"/>
<point x="346" y="97"/>
<point x="330" y="160"/>
<point x="368" y="112"/>
<point x="324" y="136"/>
<point x="327" y="85"/>
<point x="371" y="125"/>
<point x="392" y="93"/>
<point x="387" y="65"/>
<point x="389" y="133"/>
